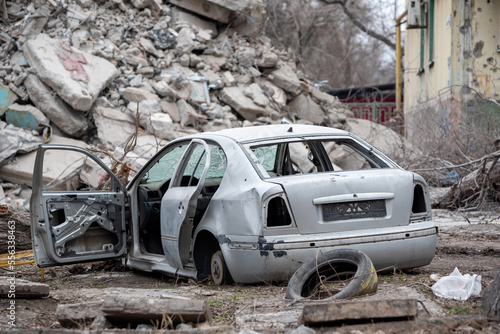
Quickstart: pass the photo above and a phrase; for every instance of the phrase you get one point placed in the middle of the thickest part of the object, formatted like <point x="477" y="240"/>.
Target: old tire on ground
<point x="218" y="269"/>
<point x="333" y="265"/>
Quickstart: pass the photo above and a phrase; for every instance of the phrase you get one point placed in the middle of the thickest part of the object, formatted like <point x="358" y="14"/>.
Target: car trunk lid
<point x="354" y="200"/>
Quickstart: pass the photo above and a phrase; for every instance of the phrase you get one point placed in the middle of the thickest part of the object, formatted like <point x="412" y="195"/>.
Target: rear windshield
<point x="314" y="156"/>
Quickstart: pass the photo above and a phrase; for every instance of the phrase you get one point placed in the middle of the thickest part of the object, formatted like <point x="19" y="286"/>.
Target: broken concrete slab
<point x="78" y="77"/>
<point x="92" y="173"/>
<point x="122" y="310"/>
<point x="267" y="60"/>
<point x="134" y="94"/>
<point x="76" y="16"/>
<point x="113" y="126"/>
<point x="246" y="56"/>
<point x="35" y="26"/>
<point x="305" y="108"/>
<point x="161" y="125"/>
<point x="186" y="112"/>
<point x="145" y="108"/>
<point x="148" y="145"/>
<point x="26" y="116"/>
<point x="205" y="8"/>
<point x="149" y="46"/>
<point x="71" y="122"/>
<point x="243" y="105"/>
<point x="79" y="314"/>
<point x="185" y="43"/>
<point x="338" y="314"/>
<point x="181" y="17"/>
<point x="14" y="140"/>
<point x="286" y="78"/>
<point x="256" y="94"/>
<point x="171" y="109"/>
<point x="7" y="97"/>
<point x="20" y="170"/>
<point x="12" y="287"/>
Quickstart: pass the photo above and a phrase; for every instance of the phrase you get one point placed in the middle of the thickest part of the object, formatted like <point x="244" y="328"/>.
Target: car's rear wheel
<point x="336" y="274"/>
<point x="218" y="269"/>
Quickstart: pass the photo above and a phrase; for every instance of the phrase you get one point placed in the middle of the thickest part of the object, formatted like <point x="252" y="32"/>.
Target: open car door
<point x="69" y="225"/>
<point x="178" y="205"/>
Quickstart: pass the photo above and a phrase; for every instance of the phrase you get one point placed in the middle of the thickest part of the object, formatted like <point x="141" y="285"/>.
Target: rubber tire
<point x="364" y="282"/>
<point x="218" y="269"/>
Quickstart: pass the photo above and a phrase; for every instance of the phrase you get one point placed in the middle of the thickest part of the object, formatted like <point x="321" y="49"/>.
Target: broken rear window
<point x="313" y="156"/>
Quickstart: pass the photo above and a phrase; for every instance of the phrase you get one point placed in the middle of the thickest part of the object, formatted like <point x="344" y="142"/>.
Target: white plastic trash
<point x="457" y="286"/>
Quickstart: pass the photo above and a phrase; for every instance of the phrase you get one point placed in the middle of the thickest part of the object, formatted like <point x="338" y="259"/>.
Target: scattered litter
<point x="457" y="286"/>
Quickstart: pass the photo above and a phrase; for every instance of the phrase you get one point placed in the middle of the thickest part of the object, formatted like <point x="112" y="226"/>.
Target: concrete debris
<point x="80" y="82"/>
<point x="7" y="97"/>
<point x="73" y="315"/>
<point x="339" y="314"/>
<point x="14" y="140"/>
<point x="67" y="119"/>
<point x="146" y="310"/>
<point x="20" y="170"/>
<point x="191" y="66"/>
<point x="305" y="108"/>
<point x="22" y="288"/>
<point x="113" y="126"/>
<point x="26" y="116"/>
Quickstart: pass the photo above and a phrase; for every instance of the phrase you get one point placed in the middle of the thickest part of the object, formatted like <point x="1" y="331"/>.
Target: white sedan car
<point x="245" y="205"/>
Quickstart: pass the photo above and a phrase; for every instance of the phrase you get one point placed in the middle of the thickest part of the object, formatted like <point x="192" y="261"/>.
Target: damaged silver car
<point x="245" y="205"/>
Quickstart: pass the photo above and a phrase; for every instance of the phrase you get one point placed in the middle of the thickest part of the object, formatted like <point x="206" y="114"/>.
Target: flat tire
<point x="341" y="265"/>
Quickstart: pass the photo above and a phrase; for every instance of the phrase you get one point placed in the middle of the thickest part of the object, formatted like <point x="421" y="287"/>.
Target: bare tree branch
<point x="360" y="25"/>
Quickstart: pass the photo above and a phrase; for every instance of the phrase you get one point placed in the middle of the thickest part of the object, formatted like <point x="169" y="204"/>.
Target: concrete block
<point x="26" y="116"/>
<point x="92" y="173"/>
<point x="71" y="315"/>
<point x="285" y="78"/>
<point x="7" y="97"/>
<point x="53" y="61"/>
<point x="113" y="126"/>
<point x="22" y="288"/>
<point x="161" y="125"/>
<point x="180" y="16"/>
<point x="359" y="312"/>
<point x="305" y="108"/>
<point x="20" y="170"/>
<point x="133" y="94"/>
<point x="122" y="310"/>
<point x="243" y="105"/>
<point x="205" y="8"/>
<point x="70" y="121"/>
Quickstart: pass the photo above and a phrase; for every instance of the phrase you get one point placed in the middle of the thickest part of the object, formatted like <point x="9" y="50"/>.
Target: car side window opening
<point x="155" y="183"/>
<point x="314" y="156"/>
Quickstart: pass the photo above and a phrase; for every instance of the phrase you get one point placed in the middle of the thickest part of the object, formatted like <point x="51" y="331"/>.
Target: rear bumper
<point x="277" y="261"/>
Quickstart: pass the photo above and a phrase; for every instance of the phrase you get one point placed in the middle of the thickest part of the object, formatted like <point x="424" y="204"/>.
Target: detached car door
<point x="179" y="203"/>
<point x="69" y="225"/>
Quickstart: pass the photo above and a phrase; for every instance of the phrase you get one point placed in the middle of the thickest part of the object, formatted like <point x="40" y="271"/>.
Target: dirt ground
<point x="469" y="241"/>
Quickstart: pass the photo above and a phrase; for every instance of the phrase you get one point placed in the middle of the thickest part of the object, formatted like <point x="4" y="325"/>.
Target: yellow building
<point x="451" y="66"/>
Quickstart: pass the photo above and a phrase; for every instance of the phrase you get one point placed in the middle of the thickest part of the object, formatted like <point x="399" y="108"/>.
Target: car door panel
<point x="70" y="226"/>
<point x="179" y="203"/>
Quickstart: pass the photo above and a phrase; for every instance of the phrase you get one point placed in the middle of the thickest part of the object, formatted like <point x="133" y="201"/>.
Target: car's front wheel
<point x="218" y="269"/>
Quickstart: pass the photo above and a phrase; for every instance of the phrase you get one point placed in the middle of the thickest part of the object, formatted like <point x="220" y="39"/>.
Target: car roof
<point x="264" y="132"/>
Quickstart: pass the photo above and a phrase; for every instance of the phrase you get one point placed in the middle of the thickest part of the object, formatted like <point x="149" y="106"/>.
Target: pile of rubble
<point x="79" y="72"/>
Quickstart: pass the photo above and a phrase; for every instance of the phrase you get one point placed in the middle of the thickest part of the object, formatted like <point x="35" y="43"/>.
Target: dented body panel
<point x="267" y="197"/>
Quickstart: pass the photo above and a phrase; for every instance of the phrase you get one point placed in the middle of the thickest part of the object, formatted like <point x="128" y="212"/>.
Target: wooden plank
<point x="205" y="8"/>
<point x="359" y="312"/>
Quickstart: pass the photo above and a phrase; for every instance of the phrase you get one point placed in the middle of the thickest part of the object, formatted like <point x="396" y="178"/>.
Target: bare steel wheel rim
<point x="217" y="268"/>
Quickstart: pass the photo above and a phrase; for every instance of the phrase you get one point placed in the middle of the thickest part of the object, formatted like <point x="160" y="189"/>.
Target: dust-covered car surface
<point x="248" y="204"/>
